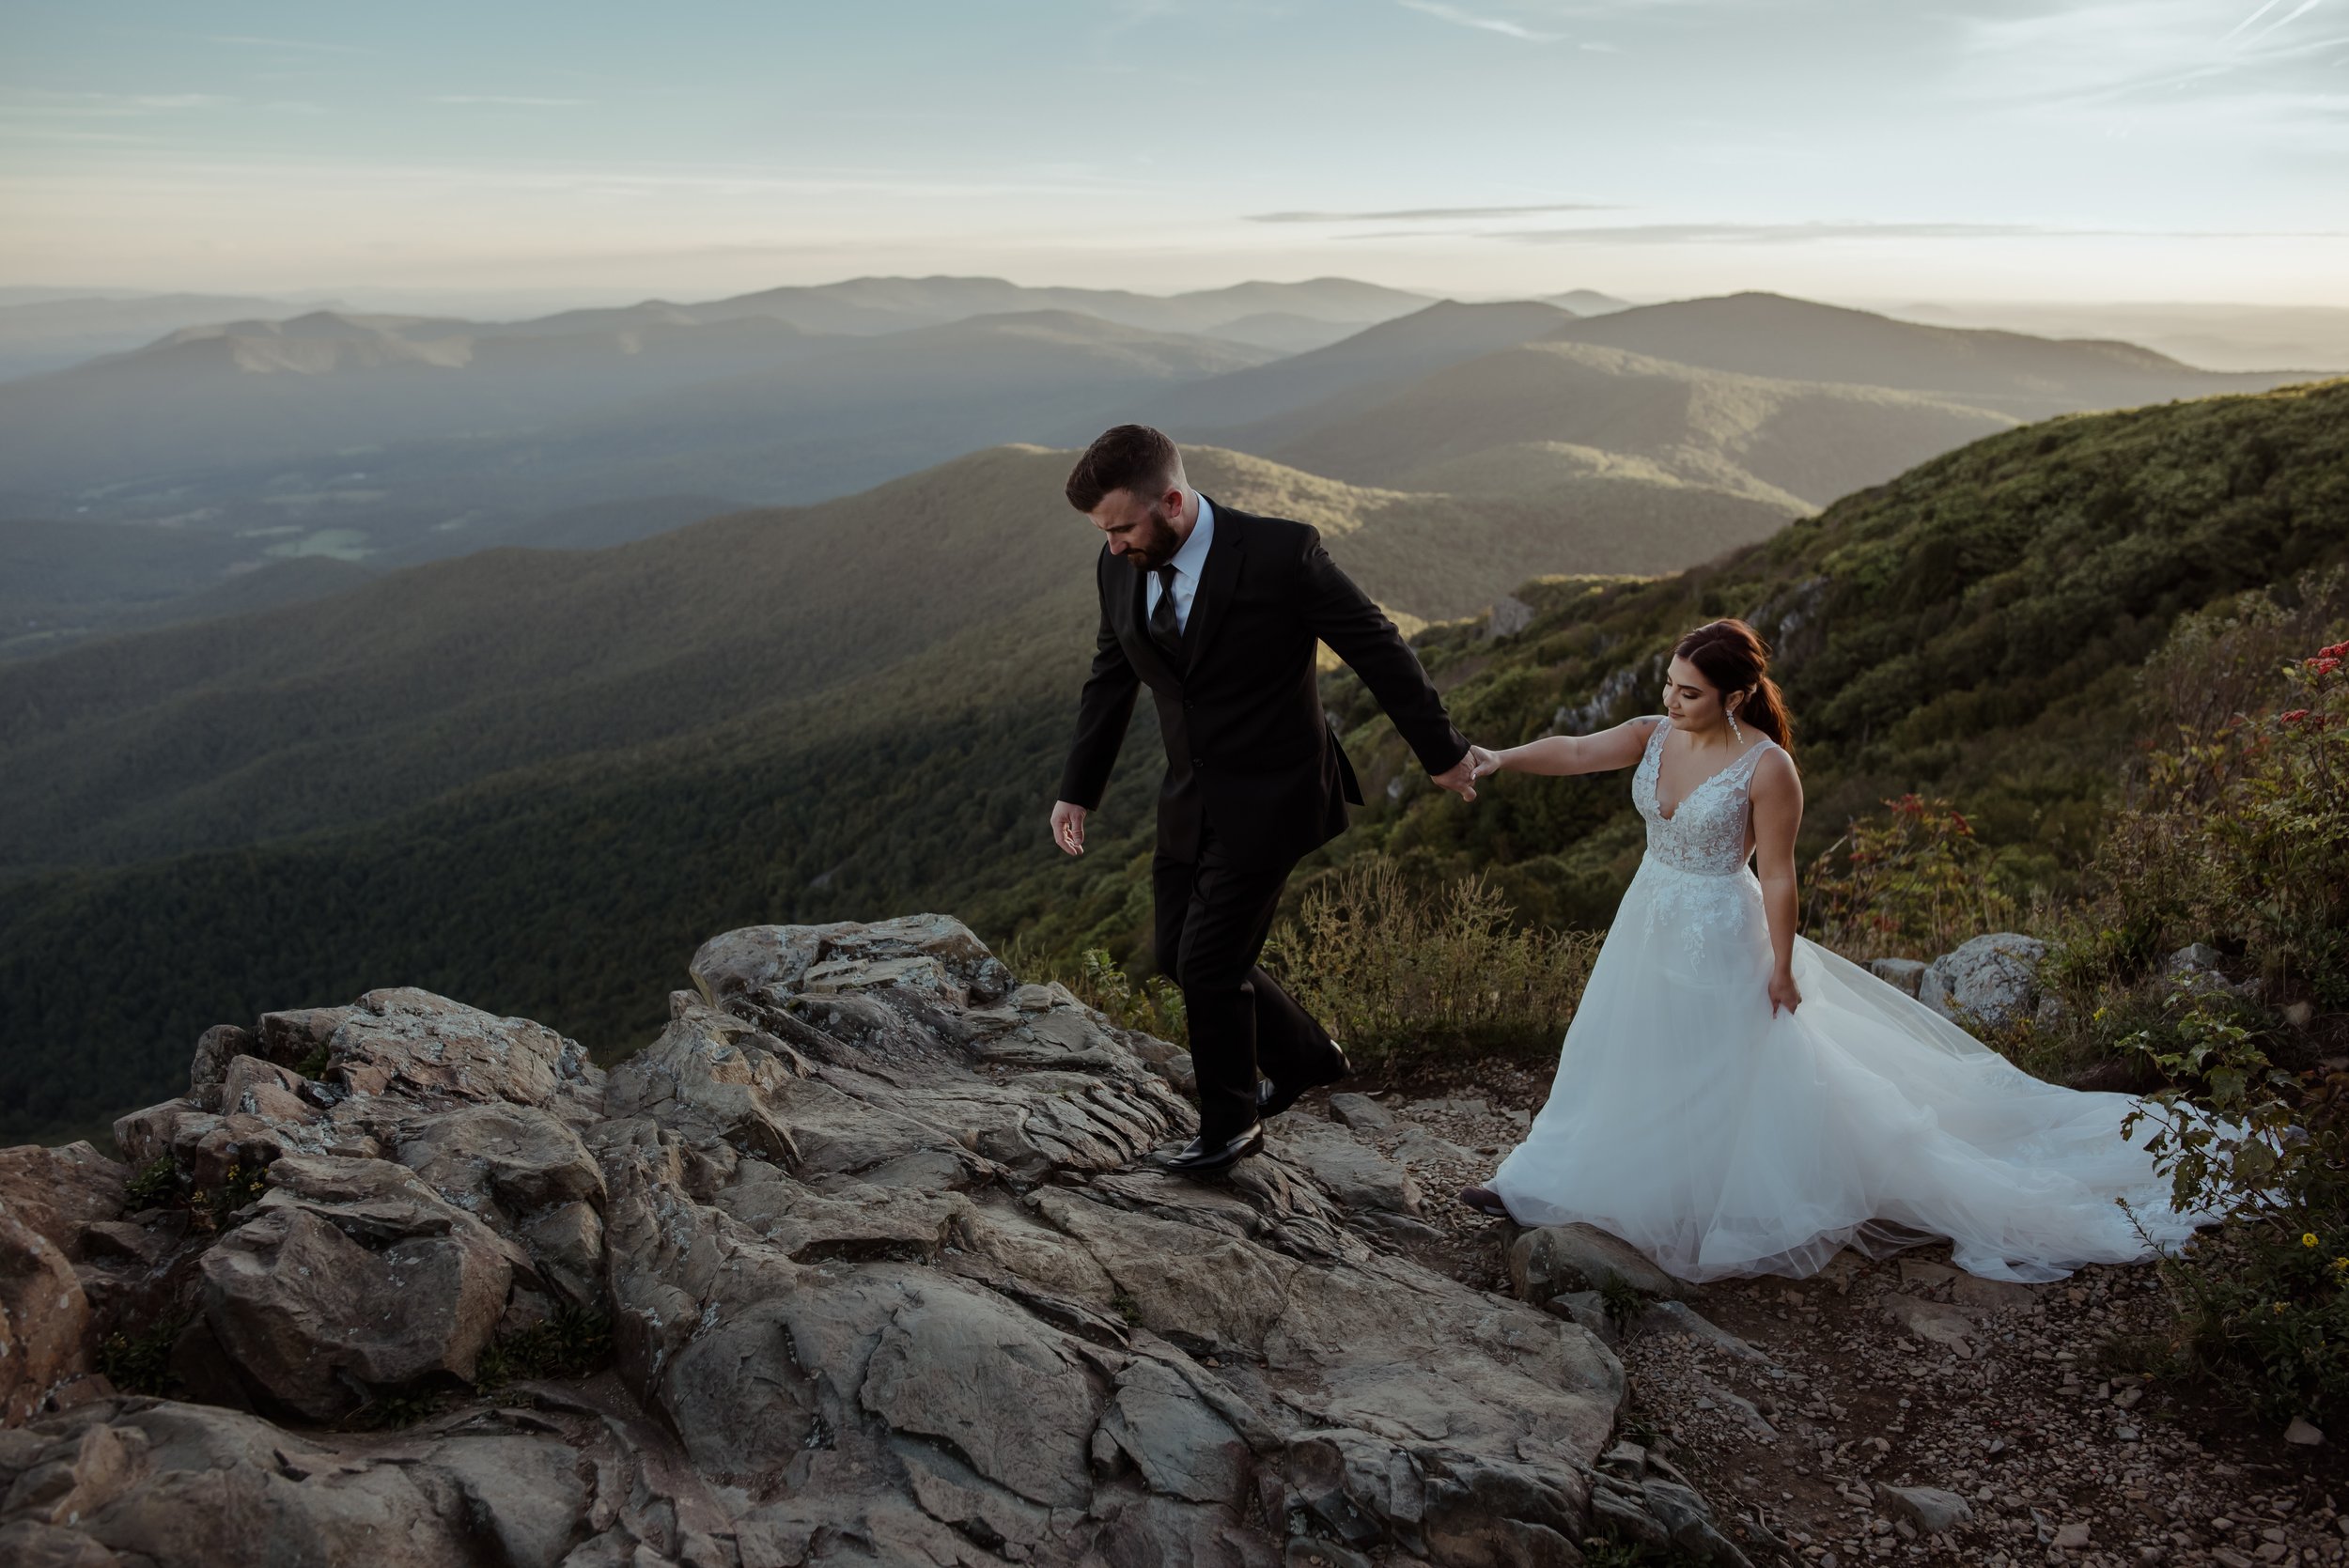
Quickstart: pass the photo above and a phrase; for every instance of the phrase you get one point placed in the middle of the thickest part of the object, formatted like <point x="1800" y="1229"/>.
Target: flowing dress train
<point x="1721" y="1139"/>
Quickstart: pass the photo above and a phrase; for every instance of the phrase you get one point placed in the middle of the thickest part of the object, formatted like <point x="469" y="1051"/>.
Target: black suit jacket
<point x="1248" y="748"/>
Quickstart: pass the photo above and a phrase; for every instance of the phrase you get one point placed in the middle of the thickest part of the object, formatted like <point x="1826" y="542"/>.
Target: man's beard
<point x="1157" y="547"/>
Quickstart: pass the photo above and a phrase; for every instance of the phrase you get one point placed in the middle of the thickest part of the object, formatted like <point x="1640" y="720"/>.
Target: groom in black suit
<point x="1218" y="613"/>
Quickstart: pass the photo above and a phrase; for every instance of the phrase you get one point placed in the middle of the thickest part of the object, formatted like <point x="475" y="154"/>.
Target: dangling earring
<point x="1734" y="730"/>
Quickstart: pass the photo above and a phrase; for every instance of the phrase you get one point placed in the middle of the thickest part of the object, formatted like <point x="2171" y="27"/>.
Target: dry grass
<point x="1395" y="973"/>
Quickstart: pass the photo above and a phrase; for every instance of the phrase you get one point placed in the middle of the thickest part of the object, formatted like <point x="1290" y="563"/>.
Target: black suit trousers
<point x="1212" y="916"/>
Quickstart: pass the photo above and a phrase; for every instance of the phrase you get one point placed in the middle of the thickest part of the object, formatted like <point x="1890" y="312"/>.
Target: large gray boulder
<point x="872" y="1236"/>
<point x="354" y="1274"/>
<point x="1989" y="982"/>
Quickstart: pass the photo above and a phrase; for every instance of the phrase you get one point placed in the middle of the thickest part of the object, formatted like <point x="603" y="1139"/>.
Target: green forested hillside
<point x="1970" y="628"/>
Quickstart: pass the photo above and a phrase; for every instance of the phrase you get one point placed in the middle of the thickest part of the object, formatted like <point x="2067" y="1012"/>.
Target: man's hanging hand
<point x="1068" y="827"/>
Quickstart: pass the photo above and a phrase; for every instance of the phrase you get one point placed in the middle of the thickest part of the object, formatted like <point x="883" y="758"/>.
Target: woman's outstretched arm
<point x="1777" y="797"/>
<point x="1571" y="753"/>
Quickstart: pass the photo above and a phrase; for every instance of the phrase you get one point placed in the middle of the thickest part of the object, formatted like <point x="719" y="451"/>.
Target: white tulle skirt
<point x="1722" y="1140"/>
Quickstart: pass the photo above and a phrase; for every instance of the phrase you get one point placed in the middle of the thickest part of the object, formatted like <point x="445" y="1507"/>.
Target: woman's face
<point x="1690" y="701"/>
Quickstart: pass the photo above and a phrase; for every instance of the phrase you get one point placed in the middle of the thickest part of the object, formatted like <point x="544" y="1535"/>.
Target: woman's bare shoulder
<point x="1775" y="769"/>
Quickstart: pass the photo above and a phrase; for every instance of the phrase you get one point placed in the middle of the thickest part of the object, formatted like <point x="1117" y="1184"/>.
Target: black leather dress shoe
<point x="1272" y="1098"/>
<point x="1200" y="1157"/>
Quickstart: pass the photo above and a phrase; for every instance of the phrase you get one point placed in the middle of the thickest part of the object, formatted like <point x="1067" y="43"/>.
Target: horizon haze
<point x="1995" y="151"/>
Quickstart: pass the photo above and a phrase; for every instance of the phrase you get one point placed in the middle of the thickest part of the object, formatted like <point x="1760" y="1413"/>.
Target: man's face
<point x="1139" y="528"/>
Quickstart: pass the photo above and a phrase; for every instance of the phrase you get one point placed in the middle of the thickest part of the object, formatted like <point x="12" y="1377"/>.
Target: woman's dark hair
<point x="1733" y="657"/>
<point x="1122" y="458"/>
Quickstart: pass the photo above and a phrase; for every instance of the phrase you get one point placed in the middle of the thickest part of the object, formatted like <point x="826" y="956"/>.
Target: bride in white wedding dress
<point x="1732" y="1099"/>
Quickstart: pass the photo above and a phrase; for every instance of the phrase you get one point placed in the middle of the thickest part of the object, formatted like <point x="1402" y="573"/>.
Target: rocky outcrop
<point x="880" y="1266"/>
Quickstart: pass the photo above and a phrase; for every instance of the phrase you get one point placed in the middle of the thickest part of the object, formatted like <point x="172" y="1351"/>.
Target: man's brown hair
<point x="1122" y="458"/>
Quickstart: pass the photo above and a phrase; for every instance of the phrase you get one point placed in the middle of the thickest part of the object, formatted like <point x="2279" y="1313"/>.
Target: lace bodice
<point x="1706" y="831"/>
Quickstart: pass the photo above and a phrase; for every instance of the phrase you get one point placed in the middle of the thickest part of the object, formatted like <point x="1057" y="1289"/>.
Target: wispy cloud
<point x="1810" y="233"/>
<point x="1422" y="214"/>
<point x="2147" y="52"/>
<point x="41" y="101"/>
<point x="512" y="101"/>
<point x="1459" y="18"/>
<point x="2278" y="24"/>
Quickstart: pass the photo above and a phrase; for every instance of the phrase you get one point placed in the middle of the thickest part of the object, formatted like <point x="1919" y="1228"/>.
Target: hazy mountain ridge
<point x="1442" y="334"/>
<point x="422" y="461"/>
<point x="888" y="305"/>
<point x="257" y="393"/>
<point x="1770" y="335"/>
<point x="2214" y="335"/>
<point x="67" y="327"/>
<point x="1763" y="437"/>
<point x="392" y="440"/>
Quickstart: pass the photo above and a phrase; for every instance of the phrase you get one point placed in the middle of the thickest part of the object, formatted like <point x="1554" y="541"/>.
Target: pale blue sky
<point x="1970" y="149"/>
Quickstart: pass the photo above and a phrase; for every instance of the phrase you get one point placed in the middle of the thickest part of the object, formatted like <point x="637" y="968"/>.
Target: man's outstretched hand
<point x="1068" y="827"/>
<point x="1459" y="776"/>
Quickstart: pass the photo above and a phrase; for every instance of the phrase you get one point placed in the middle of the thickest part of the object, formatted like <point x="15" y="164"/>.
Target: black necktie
<point x="1165" y="631"/>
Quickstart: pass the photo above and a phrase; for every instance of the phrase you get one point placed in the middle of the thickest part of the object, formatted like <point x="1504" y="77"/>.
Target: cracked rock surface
<point x="885" y="1275"/>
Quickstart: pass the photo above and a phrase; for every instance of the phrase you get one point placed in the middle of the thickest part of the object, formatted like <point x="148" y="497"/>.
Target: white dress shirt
<point x="1188" y="561"/>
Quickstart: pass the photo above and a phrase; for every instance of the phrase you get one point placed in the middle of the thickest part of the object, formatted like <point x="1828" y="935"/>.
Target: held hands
<point x="1782" y="992"/>
<point x="1068" y="818"/>
<point x="1456" y="777"/>
<point x="1461" y="777"/>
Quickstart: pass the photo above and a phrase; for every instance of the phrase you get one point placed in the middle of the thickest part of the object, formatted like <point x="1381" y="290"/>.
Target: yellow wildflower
<point x="2308" y="1238"/>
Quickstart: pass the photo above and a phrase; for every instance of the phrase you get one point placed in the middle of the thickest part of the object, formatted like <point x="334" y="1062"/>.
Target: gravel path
<point x="1871" y="1381"/>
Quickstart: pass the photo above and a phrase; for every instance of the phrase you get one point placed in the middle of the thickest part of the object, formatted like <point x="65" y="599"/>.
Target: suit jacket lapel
<point x="1215" y="582"/>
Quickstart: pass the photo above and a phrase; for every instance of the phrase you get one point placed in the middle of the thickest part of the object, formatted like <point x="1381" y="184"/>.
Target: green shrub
<point x="2239" y="831"/>
<point x="2236" y="831"/>
<point x="2262" y="1305"/>
<point x="140" y="1362"/>
<point x="156" y="1183"/>
<point x="1912" y="883"/>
